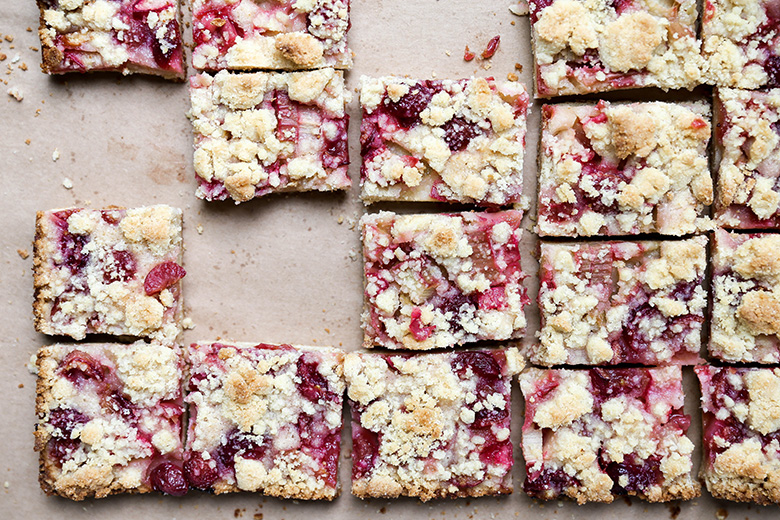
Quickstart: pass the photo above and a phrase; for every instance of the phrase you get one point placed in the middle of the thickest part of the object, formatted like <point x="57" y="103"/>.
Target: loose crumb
<point x="187" y="323"/>
<point x="491" y="48"/>
<point x="199" y="229"/>
<point x="27" y="142"/>
<point x="340" y="220"/>
<point x="520" y="8"/>
<point x="34" y="48"/>
<point x="23" y="253"/>
<point x="9" y="38"/>
<point x="518" y="67"/>
<point x="6" y="484"/>
<point x="467" y="54"/>
<point x="511" y="76"/>
<point x="16" y="58"/>
<point x="3" y="56"/>
<point x="15" y="93"/>
<point x="55" y="154"/>
<point x="67" y="183"/>
<point x="448" y="53"/>
<point x="23" y="66"/>
<point x="20" y="385"/>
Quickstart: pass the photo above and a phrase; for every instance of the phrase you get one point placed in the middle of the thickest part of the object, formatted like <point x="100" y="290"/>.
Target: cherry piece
<point x="491" y="48"/>
<point x="169" y="478"/>
<point x="162" y="276"/>
<point x="199" y="472"/>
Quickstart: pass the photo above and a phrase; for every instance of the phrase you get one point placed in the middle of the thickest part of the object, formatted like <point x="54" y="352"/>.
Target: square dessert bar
<point x="748" y="148"/>
<point x="265" y="133"/>
<point x="127" y="36"/>
<point x="264" y="418"/>
<point x="442" y="140"/>
<point x="741" y="409"/>
<point x="624" y="168"/>
<point x="270" y="34"/>
<point x="109" y="419"/>
<point x="746" y="298"/>
<point x="109" y="271"/>
<point x="621" y="302"/>
<point x="595" y="434"/>
<point x="431" y="425"/>
<point x="436" y="281"/>
<point x="740" y="43"/>
<point x="582" y="46"/>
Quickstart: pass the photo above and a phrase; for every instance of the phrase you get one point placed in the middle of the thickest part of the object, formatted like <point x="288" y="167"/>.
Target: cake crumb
<point x="511" y="76"/>
<point x="32" y="364"/>
<point x="721" y="514"/>
<point x="15" y="93"/>
<point x="3" y="56"/>
<point x="16" y="58"/>
<point x="27" y="141"/>
<point x="6" y="484"/>
<point x="340" y="220"/>
<point x="187" y="323"/>
<point x="20" y="385"/>
<point x="67" y="183"/>
<point x="353" y="254"/>
<point x="518" y="67"/>
<point x="23" y="66"/>
<point x="23" y="253"/>
<point x="55" y="154"/>
<point x="448" y="53"/>
<point x="520" y="8"/>
<point x="9" y="38"/>
<point x="199" y="229"/>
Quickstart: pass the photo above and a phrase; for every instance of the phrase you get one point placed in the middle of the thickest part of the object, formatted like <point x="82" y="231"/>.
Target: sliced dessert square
<point x="127" y="36"/>
<point x="436" y="281"/>
<point x="741" y="409"/>
<point x="582" y="47"/>
<point x="264" y="418"/>
<point x="624" y="168"/>
<point x="109" y="271"/>
<point x="621" y="302"/>
<point x="442" y="140"/>
<point x="740" y="43"/>
<point x="260" y="133"/>
<point x="431" y="425"/>
<point x="748" y="149"/>
<point x="270" y="34"/>
<point x="109" y="419"/>
<point x="595" y="434"/>
<point x="746" y="298"/>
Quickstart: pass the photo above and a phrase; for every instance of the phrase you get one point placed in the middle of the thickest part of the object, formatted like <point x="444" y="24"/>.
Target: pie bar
<point x="442" y="140"/>
<point x="746" y="298"/>
<point x="264" y="133"/>
<point x="740" y="43"/>
<point x="621" y="302"/>
<point x="115" y="35"/>
<point x="594" y="434"/>
<point x="582" y="47"/>
<point x="109" y="271"/>
<point x="748" y="145"/>
<point x="109" y="419"/>
<point x="265" y="418"/>
<point x="623" y="169"/>
<point x="270" y="34"/>
<point x="741" y="433"/>
<point x="436" y="281"/>
<point x="431" y="425"/>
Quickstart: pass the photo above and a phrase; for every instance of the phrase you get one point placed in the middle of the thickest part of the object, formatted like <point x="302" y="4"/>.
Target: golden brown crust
<point x="300" y="48"/>
<point x="737" y="489"/>
<point x="39" y="276"/>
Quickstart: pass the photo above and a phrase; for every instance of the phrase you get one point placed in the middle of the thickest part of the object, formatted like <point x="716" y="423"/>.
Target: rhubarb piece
<point x="748" y="149"/>
<point x="595" y="434"/>
<point x="741" y="409"/>
<point x="264" y="133"/>
<point x="740" y="43"/>
<point x="442" y="140"/>
<point x="624" y="169"/>
<point x="431" y="425"/>
<point x="109" y="419"/>
<point x="127" y="36"/>
<point x="264" y="418"/>
<point x="266" y="34"/>
<point x="621" y="302"/>
<point x="746" y="298"/>
<point x="93" y="270"/>
<point x="582" y="47"/>
<point x="436" y="281"/>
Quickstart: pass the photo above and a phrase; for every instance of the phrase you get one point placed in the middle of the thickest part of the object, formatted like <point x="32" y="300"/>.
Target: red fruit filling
<point x="611" y="383"/>
<point x="198" y="472"/>
<point x="120" y="267"/>
<point x="79" y="367"/>
<point x="419" y="331"/>
<point x="547" y="482"/>
<point x="169" y="478"/>
<point x="313" y="385"/>
<point x="236" y="443"/>
<point x="215" y="26"/>
<point x="335" y="153"/>
<point x="365" y="447"/>
<point x="162" y="276"/>
<point x="491" y="48"/>
<point x="640" y="474"/>
<point x="407" y="109"/>
<point x="64" y="421"/>
<point x="458" y="133"/>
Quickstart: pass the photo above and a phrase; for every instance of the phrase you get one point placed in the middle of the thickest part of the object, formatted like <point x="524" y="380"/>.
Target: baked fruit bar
<point x="126" y="36"/>
<point x="624" y="168"/>
<point x="263" y="133"/>
<point x="741" y="409"/>
<point x="109" y="419"/>
<point x="442" y="140"/>
<point x="582" y="47"/>
<point x="740" y="43"/>
<point x="595" y="434"/>
<point x="431" y="425"/>
<point x="109" y="271"/>
<point x="748" y="149"/>
<point x="436" y="281"/>
<point x="264" y="418"/>
<point x="270" y="34"/>
<point x="746" y="298"/>
<point x="605" y="303"/>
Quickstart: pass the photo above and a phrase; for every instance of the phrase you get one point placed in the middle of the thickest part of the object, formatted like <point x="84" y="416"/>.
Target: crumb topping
<point x="615" y="169"/>
<point x="445" y="140"/>
<point x="435" y="281"/>
<point x="269" y="132"/>
<point x="436" y="419"/>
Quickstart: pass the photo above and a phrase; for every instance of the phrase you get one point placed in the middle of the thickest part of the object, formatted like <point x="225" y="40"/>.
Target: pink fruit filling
<point x="163" y="276"/>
